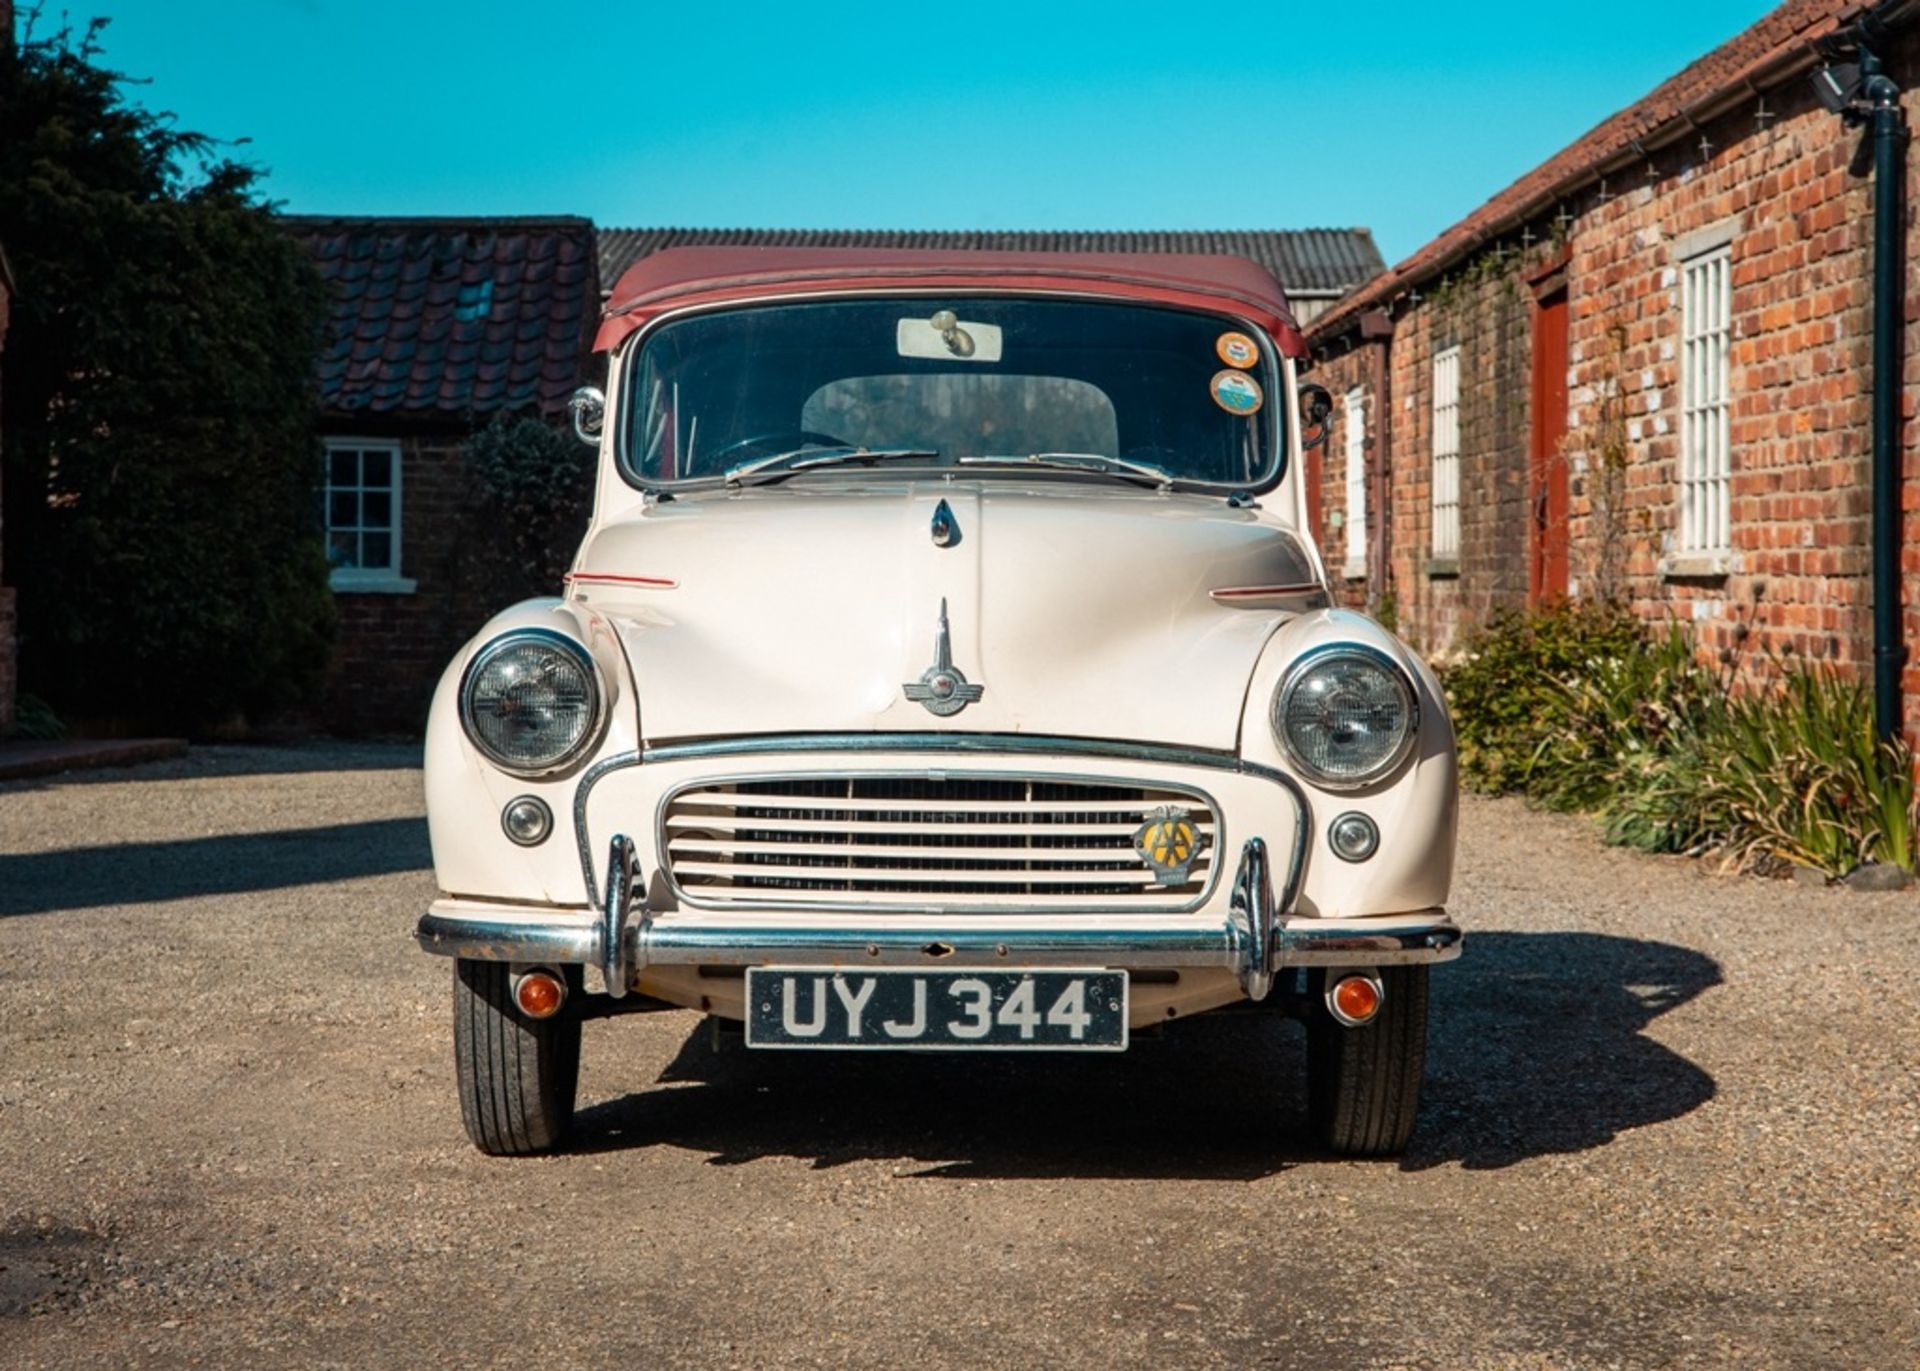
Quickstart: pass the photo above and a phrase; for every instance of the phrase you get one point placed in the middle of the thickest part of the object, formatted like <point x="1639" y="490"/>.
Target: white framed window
<point x="1356" y="452"/>
<point x="362" y="506"/>
<point x="1446" y="455"/>
<point x="1706" y="313"/>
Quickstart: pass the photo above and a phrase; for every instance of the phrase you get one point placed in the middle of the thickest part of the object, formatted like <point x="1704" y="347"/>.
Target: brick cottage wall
<point x="389" y="649"/>
<point x="1799" y="229"/>
<point x="1357" y="366"/>
<point x="1772" y="181"/>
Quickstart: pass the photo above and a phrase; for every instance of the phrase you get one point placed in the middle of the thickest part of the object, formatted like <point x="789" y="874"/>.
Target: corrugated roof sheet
<point x="1732" y="66"/>
<point x="443" y="317"/>
<point x="1305" y="261"/>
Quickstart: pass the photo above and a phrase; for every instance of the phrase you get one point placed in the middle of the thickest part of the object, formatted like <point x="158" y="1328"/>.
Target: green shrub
<point x="161" y="473"/>
<point x="35" y="722"/>
<point x="1584" y="709"/>
<point x="1511" y="691"/>
<point x="529" y="495"/>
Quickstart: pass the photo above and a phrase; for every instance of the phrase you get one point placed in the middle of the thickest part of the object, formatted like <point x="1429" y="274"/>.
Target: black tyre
<point x="517" y="1075"/>
<point x="1363" y="1084"/>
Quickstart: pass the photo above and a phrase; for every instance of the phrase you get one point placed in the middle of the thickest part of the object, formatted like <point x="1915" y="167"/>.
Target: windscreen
<point x="962" y="380"/>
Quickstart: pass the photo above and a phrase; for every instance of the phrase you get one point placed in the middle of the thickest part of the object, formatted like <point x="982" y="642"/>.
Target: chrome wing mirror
<point x="588" y="408"/>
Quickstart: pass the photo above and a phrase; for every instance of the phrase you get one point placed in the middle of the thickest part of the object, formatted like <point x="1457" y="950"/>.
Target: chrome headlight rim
<point x="589" y="736"/>
<point x="1298" y="672"/>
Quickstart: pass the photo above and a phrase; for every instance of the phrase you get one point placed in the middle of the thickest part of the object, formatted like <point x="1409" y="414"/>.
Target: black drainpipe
<point x="1889" y="308"/>
<point x="1855" y="85"/>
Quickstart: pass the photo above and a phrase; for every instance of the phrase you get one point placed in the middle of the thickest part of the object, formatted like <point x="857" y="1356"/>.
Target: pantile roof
<point x="453" y="317"/>
<point x="1307" y="262"/>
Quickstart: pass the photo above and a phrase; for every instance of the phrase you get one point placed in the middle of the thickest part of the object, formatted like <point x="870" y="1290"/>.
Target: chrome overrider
<point x="621" y="939"/>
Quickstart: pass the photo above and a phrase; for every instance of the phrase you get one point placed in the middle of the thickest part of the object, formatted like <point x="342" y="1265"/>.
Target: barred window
<point x="1706" y="311"/>
<point x="1356" y="437"/>
<point x="1446" y="455"/>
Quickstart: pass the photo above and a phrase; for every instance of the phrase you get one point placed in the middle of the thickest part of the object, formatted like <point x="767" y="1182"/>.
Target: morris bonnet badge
<point x="1170" y="843"/>
<point x="941" y="687"/>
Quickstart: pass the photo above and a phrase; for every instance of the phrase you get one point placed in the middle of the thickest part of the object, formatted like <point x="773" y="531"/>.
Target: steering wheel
<point x="807" y="437"/>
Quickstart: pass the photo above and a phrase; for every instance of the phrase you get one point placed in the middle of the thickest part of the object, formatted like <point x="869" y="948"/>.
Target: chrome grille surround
<point x="927" y="841"/>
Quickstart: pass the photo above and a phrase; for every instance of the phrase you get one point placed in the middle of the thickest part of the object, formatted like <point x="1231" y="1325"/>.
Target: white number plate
<point x="887" y="1010"/>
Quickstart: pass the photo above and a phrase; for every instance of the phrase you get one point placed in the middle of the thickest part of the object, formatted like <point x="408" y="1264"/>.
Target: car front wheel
<point x="516" y="1075"/>
<point x="1363" y="1083"/>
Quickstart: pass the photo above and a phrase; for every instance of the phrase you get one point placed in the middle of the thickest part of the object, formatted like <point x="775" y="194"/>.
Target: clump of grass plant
<point x="1585" y="709"/>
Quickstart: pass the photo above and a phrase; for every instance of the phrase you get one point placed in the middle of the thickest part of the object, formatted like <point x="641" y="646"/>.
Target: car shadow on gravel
<point x="216" y="761"/>
<point x="1535" y="1048"/>
<point x="1176" y="1105"/>
<point x="145" y="873"/>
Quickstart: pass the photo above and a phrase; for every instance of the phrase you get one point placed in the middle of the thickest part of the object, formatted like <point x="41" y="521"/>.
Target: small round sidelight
<point x="539" y="994"/>
<point x="1355" y="1000"/>
<point x="1353" y="837"/>
<point x="527" y="820"/>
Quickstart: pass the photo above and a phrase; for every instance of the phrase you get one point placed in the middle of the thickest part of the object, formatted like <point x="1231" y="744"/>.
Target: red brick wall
<point x="1360" y="365"/>
<point x="1775" y="181"/>
<point x="1800" y="237"/>
<point x="390" y="649"/>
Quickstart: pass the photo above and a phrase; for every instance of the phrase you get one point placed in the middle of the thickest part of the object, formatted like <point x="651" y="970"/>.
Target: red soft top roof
<point x="678" y="277"/>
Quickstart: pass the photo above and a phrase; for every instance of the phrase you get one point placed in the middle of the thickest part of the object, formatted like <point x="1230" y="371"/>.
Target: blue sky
<point x="1401" y="117"/>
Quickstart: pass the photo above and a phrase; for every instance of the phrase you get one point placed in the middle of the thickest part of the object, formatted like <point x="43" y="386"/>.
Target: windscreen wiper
<point x="784" y="464"/>
<point x="1097" y="462"/>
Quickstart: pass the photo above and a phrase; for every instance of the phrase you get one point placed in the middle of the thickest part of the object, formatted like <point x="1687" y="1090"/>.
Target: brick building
<point x="1641" y="370"/>
<point x="436" y="326"/>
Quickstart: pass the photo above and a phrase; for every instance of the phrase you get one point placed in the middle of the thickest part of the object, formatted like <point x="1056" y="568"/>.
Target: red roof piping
<point x="678" y="277"/>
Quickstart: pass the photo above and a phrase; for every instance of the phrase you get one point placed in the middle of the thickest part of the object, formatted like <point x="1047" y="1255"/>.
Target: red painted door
<point x="1547" y="464"/>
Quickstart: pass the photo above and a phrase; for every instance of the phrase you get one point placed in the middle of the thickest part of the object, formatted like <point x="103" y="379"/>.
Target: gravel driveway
<point x="1671" y="1118"/>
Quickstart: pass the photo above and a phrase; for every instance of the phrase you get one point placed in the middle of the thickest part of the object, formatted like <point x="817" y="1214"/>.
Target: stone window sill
<point x="1443" y="569"/>
<point x="1354" y="571"/>
<point x="1696" y="566"/>
<point x="358" y="584"/>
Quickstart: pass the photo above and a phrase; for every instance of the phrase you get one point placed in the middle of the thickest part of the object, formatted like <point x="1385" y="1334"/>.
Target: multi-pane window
<point x="1446" y="455"/>
<point x="1706" y="309"/>
<point x="363" y="509"/>
<point x="1356" y="439"/>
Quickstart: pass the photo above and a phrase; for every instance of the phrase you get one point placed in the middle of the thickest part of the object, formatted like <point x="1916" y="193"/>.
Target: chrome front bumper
<point x="1256" y="941"/>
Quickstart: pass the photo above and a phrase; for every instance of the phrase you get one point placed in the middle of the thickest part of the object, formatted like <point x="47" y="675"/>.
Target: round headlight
<point x="531" y="701"/>
<point x="1346" y="715"/>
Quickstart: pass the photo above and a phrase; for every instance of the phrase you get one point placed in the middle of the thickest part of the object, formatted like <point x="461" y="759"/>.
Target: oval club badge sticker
<point x="1237" y="393"/>
<point x="1237" y="350"/>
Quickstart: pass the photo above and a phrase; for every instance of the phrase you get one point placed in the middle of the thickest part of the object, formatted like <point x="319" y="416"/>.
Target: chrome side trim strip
<point x="604" y="767"/>
<point x="1024" y="743"/>
<point x="981" y="744"/>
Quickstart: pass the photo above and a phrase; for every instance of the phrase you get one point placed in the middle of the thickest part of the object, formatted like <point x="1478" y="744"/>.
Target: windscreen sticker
<point x="1237" y="393"/>
<point x="1237" y="350"/>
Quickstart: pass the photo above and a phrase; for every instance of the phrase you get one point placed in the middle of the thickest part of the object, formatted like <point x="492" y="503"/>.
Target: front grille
<point x="949" y="842"/>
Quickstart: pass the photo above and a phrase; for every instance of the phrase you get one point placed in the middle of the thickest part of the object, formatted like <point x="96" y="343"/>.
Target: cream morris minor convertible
<point x="948" y="666"/>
